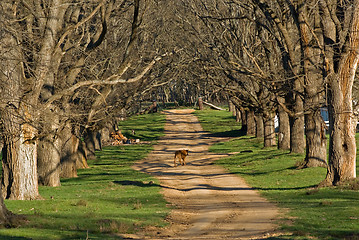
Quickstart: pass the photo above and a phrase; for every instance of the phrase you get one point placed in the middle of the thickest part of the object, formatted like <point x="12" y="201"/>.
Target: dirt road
<point x="209" y="202"/>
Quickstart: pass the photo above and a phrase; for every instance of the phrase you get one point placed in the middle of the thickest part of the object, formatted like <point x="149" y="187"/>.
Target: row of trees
<point x="290" y="58"/>
<point x="67" y="70"/>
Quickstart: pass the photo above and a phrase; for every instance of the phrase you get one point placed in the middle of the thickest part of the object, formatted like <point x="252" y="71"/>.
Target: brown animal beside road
<point x="181" y="156"/>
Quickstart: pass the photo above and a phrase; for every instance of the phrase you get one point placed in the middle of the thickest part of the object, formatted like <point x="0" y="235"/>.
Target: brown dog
<point x="181" y="155"/>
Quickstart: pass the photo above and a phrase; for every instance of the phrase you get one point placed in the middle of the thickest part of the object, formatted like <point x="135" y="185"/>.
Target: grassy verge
<point x="326" y="213"/>
<point x="104" y="201"/>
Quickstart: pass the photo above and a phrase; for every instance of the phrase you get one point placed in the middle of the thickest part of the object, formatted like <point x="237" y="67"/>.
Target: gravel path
<point x="209" y="202"/>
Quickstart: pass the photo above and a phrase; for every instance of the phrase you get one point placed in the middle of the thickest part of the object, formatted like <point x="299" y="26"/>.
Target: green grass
<point x="105" y="200"/>
<point x="212" y="120"/>
<point x="325" y="213"/>
<point x="147" y="127"/>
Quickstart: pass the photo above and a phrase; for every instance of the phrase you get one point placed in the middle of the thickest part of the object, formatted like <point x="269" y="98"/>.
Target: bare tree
<point x="340" y="21"/>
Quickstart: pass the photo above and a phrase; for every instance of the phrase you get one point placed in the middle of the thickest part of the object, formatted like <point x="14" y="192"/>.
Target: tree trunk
<point x="342" y="145"/>
<point x="105" y="134"/>
<point x="231" y="106"/>
<point x="48" y="165"/>
<point x="251" y="123"/>
<point x="89" y="139"/>
<point x="19" y="178"/>
<point x="200" y="103"/>
<point x="341" y="69"/>
<point x="269" y="134"/>
<point x="259" y="125"/>
<point x="238" y="116"/>
<point x="316" y="144"/>
<point x="297" y="142"/>
<point x="244" y="121"/>
<point x="316" y="141"/>
<point x="297" y="134"/>
<point x="48" y="153"/>
<point x="81" y="159"/>
<point x="70" y="144"/>
<point x="284" y="129"/>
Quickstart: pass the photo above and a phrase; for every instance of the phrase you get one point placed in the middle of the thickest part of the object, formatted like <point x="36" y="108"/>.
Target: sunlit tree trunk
<point x="297" y="143"/>
<point x="238" y="115"/>
<point x="269" y="134"/>
<point x="19" y="178"/>
<point x="341" y="68"/>
<point x="284" y="128"/>
<point x="316" y="141"/>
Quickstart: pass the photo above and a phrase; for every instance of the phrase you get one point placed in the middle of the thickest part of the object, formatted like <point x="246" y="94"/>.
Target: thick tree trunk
<point x="259" y="125"/>
<point x="105" y="134"/>
<point x="284" y="129"/>
<point x="48" y="154"/>
<point x="200" y="103"/>
<point x="269" y="134"/>
<point x="244" y="121"/>
<point x="341" y="67"/>
<point x="69" y="148"/>
<point x="48" y="165"/>
<point x="90" y="139"/>
<point x="297" y="143"/>
<point x="316" y="141"/>
<point x="342" y="145"/>
<point x="19" y="178"/>
<point x="316" y="144"/>
<point x="238" y="115"/>
<point x="251" y="123"/>
<point x="81" y="157"/>
<point x="231" y="106"/>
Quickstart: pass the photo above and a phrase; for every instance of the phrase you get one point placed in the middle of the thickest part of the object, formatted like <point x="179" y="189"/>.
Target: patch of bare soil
<point x="209" y="202"/>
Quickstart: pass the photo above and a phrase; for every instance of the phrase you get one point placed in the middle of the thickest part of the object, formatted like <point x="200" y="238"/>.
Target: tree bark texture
<point x="259" y="125"/>
<point x="69" y="153"/>
<point x="297" y="143"/>
<point x="48" y="153"/>
<point x="19" y="178"/>
<point x="238" y="115"/>
<point x="284" y="129"/>
<point x="90" y="143"/>
<point x="200" y="103"/>
<point x="251" y="123"/>
<point x="316" y="143"/>
<point x="269" y="133"/>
